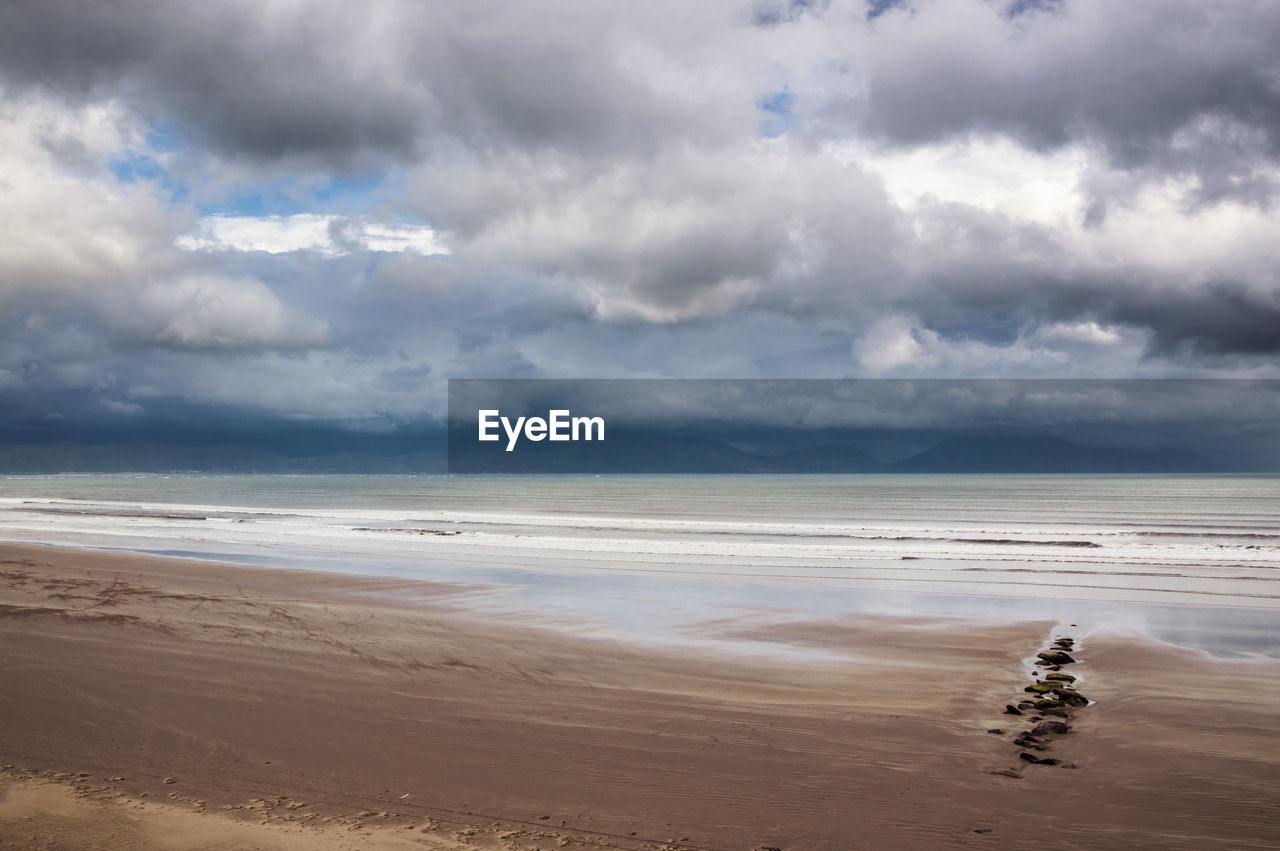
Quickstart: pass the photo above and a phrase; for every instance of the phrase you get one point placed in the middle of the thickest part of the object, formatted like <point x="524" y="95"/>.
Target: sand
<point x="153" y="703"/>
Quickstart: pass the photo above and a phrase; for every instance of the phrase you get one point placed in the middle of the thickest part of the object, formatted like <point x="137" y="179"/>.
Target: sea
<point x="1193" y="561"/>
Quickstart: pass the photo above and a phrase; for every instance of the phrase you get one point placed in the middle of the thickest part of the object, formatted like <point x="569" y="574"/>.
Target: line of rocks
<point x="1050" y="704"/>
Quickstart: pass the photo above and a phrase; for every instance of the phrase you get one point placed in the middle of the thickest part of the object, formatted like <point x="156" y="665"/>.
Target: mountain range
<point x="683" y="451"/>
<point x="690" y="452"/>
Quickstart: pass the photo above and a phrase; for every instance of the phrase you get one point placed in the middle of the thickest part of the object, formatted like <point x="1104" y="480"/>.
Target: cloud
<point x="69" y="226"/>
<point x="687" y="235"/>
<point x="86" y="253"/>
<point x="353" y="202"/>
<point x="327" y="234"/>
<point x="211" y="313"/>
<point x="1181" y="84"/>
<point x="266" y="85"/>
<point x="901" y="345"/>
<point x="331" y="83"/>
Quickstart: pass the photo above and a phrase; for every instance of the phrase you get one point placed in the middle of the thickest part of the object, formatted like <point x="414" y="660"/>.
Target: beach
<point x="183" y="703"/>
<point x="744" y="426"/>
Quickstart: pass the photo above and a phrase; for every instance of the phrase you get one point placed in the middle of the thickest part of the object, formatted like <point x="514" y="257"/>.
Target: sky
<point x="229" y="216"/>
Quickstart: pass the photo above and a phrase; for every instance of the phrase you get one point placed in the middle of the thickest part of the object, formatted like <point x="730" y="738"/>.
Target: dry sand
<point x="152" y="703"/>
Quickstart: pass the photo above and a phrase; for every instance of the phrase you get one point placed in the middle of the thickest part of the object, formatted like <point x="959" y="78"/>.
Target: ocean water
<point x="1191" y="560"/>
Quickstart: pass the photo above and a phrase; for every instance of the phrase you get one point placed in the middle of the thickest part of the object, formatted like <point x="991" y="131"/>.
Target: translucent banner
<point x="868" y="426"/>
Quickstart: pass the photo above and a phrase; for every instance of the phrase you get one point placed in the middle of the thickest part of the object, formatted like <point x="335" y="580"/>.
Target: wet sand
<point x="179" y="704"/>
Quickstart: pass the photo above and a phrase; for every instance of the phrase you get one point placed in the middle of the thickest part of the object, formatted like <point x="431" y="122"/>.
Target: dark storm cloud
<point x="1217" y="319"/>
<point x="985" y="275"/>
<point x="242" y="84"/>
<point x="335" y="82"/>
<point x="1221" y="318"/>
<point x="1176" y="84"/>
<point x="1173" y="83"/>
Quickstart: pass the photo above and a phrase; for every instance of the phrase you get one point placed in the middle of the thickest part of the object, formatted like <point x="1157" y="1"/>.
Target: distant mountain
<point x="688" y="451"/>
<point x="681" y="451"/>
<point x="1045" y="454"/>
<point x="166" y="458"/>
<point x="828" y="459"/>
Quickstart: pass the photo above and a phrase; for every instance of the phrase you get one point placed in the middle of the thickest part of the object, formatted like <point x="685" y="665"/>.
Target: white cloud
<point x="381" y="237"/>
<point x="894" y="343"/>
<point x="901" y="346"/>
<point x="993" y="173"/>
<point x="1090" y="333"/>
<point x="205" y="312"/>
<point x="307" y="232"/>
<point x="68" y="224"/>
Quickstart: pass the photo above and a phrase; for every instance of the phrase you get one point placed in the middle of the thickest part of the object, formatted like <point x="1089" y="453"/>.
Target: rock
<point x="1008" y="772"/>
<point x="1056" y="712"/>
<point x="1035" y="760"/>
<point x="984" y="830"/>
<point x="1026" y="704"/>
<point x="170" y="780"/>
<point x="1050" y="728"/>
<point x="1039" y="688"/>
<point x="1071" y="697"/>
<point x="1056" y="657"/>
<point x="1048" y="703"/>
<point x="1062" y="678"/>
<point x="1010" y="709"/>
<point x="996" y="731"/>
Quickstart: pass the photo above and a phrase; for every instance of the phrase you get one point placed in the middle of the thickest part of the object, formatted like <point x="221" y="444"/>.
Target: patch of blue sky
<point x="876" y="8"/>
<point x="352" y="194"/>
<point x="342" y="194"/>
<point x="1019" y="7"/>
<point x="131" y="167"/>
<point x="779" y="116"/>
<point x="785" y="12"/>
<point x="134" y="167"/>
<point x="349" y="193"/>
<point x="166" y="137"/>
